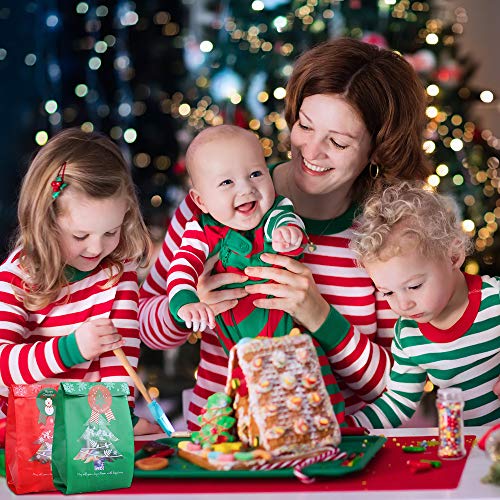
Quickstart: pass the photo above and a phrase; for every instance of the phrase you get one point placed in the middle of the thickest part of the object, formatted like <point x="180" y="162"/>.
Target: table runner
<point x="386" y="471"/>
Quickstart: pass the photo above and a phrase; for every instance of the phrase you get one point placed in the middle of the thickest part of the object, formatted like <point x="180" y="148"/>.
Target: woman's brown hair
<point x="386" y="92"/>
<point x="96" y="168"/>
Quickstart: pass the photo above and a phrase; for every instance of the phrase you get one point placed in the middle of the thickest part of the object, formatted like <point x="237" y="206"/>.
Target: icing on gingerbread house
<point x="280" y="400"/>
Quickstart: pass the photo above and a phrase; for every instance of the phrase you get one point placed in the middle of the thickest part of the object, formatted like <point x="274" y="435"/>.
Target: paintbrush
<point x="153" y="405"/>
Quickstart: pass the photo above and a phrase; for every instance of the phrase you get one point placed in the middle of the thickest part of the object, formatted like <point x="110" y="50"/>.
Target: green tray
<point x="179" y="468"/>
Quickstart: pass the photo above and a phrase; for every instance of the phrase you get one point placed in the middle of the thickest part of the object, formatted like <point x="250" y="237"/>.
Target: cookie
<point x="151" y="463"/>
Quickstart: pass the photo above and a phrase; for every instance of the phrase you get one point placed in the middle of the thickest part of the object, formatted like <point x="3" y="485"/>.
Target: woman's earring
<point x="374" y="170"/>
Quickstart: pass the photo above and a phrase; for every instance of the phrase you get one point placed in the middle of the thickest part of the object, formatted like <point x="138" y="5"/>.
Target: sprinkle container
<point x="450" y="405"/>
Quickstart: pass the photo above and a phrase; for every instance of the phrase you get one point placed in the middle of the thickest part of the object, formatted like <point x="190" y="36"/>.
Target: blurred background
<point x="152" y="73"/>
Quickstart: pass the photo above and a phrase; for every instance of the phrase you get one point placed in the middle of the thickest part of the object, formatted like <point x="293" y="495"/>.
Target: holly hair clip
<point x="58" y="184"/>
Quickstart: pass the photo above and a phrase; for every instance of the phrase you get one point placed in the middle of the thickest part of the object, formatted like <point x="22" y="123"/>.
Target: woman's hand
<point x="219" y="300"/>
<point x="294" y="290"/>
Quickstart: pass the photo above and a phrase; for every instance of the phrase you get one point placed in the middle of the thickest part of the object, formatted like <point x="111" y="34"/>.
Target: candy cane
<point x="299" y="463"/>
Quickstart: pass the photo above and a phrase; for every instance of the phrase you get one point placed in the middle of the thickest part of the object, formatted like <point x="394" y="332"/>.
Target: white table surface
<point x="470" y="486"/>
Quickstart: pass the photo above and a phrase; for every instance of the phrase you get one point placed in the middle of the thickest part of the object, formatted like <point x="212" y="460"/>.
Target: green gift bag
<point x="93" y="447"/>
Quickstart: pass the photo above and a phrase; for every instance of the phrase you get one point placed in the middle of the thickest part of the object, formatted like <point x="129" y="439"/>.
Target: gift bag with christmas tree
<point x="29" y="435"/>
<point x="93" y="437"/>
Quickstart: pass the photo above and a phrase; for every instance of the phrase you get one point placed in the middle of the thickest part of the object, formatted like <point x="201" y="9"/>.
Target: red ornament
<point x="375" y="39"/>
<point x="180" y="167"/>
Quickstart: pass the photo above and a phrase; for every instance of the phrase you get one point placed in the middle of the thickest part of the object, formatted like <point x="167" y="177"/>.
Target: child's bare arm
<point x="197" y="316"/>
<point x="287" y="238"/>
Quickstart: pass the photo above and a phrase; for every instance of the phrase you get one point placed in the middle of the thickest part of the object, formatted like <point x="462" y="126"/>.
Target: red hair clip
<point x="58" y="184"/>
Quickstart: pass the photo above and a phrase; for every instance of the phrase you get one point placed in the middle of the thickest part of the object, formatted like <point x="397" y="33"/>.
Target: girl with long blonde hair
<point x="69" y="287"/>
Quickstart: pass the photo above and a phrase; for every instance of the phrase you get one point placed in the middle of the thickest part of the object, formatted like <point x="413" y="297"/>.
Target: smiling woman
<point x="350" y="106"/>
<point x="335" y="146"/>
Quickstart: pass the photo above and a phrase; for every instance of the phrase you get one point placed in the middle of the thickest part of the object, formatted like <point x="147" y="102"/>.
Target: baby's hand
<point x="286" y="239"/>
<point x="496" y="388"/>
<point x="97" y="336"/>
<point x="198" y="315"/>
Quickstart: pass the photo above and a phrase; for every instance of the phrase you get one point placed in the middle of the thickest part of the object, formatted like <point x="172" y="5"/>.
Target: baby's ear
<point x="198" y="200"/>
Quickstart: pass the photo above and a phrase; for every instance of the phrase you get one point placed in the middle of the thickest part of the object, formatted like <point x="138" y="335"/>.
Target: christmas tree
<point x="240" y="54"/>
<point x="110" y="66"/>
<point x="152" y="74"/>
<point x="98" y="442"/>
<point x="97" y="437"/>
<point x="44" y="452"/>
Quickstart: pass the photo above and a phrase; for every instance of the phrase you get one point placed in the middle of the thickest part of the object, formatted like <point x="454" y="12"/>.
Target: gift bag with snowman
<point x="29" y="436"/>
<point x="93" y="437"/>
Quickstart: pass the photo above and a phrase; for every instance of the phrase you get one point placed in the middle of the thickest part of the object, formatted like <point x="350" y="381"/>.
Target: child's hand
<point x="144" y="426"/>
<point x="198" y="315"/>
<point x="97" y="336"/>
<point x="286" y="239"/>
<point x="496" y="388"/>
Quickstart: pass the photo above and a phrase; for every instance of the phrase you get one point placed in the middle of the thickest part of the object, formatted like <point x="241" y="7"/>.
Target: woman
<point x="356" y="114"/>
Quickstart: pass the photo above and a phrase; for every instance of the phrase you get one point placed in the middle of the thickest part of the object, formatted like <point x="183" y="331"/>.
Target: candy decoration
<point x="451" y="433"/>
<point x="164" y="453"/>
<point x="436" y="464"/>
<point x="278" y="358"/>
<point x="413" y="449"/>
<point x="300" y="463"/>
<point x="418" y="466"/>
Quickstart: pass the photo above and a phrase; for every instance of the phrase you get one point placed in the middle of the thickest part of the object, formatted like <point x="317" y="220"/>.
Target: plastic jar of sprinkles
<point x="450" y="405"/>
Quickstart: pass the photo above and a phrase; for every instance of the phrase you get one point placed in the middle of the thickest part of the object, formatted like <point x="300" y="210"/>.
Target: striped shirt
<point x="466" y="356"/>
<point x="356" y="347"/>
<point x="205" y="237"/>
<point x="36" y="346"/>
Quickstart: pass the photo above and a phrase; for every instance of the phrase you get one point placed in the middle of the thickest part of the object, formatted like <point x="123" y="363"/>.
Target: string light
<point x="238" y="68"/>
<point x="486" y="96"/>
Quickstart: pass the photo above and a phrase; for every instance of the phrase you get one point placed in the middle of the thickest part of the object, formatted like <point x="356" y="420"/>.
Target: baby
<point x="241" y="218"/>
<point x="410" y="241"/>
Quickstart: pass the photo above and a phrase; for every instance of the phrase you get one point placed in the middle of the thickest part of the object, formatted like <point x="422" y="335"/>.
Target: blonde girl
<point x="69" y="287"/>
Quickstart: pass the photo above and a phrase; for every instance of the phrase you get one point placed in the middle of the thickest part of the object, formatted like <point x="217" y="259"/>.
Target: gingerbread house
<point x="280" y="399"/>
